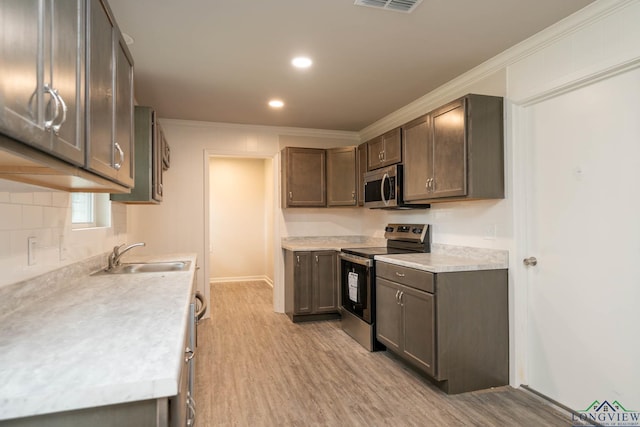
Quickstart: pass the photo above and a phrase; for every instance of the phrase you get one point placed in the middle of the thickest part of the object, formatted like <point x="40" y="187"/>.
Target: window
<point x="89" y="210"/>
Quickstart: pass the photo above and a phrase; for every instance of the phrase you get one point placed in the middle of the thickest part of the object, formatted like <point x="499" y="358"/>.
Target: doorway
<point x="241" y="219"/>
<point x="583" y="160"/>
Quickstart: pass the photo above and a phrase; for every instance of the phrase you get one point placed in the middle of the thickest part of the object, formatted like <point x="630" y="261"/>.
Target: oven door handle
<point x="356" y="259"/>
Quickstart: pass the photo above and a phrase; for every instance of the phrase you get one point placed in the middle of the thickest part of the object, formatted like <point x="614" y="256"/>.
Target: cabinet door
<point x="123" y="115"/>
<point x="418" y="320"/>
<point x="158" y="145"/>
<point x="41" y="75"/>
<point x="325" y="282"/>
<point x="392" y="147"/>
<point x="303" y="294"/>
<point x="361" y="168"/>
<point x="341" y="177"/>
<point x="21" y="87"/>
<point x="449" y="151"/>
<point x="305" y="177"/>
<point x="100" y="91"/>
<point x="388" y="314"/>
<point x="66" y="58"/>
<point x="375" y="153"/>
<point x="418" y="159"/>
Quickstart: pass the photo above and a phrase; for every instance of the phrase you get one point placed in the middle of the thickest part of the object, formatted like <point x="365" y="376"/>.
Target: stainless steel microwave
<point x="383" y="189"/>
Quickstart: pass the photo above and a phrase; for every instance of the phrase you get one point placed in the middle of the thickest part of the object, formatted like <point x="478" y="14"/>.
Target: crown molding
<point x="273" y="130"/>
<point x="460" y="85"/>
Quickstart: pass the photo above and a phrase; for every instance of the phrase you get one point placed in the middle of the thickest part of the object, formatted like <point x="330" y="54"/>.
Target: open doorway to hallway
<point x="241" y="218"/>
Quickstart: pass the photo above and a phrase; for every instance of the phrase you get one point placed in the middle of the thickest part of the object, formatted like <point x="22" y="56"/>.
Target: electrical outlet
<point x="31" y="250"/>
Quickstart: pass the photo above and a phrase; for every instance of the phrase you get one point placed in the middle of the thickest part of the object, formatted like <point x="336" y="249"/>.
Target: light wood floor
<point x="256" y="368"/>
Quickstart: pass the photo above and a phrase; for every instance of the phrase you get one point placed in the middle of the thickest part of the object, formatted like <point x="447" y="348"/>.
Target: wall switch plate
<point x="31" y="250"/>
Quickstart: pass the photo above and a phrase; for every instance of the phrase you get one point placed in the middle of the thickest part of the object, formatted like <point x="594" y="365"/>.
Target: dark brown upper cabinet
<point x="150" y="144"/>
<point x="109" y="98"/>
<point x="70" y="125"/>
<point x="385" y="150"/>
<point x="41" y="84"/>
<point x="341" y="177"/>
<point x="304" y="179"/>
<point x="455" y="152"/>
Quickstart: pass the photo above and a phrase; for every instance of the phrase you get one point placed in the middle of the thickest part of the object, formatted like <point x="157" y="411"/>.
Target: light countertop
<point x="442" y="263"/>
<point x="443" y="257"/>
<point x="94" y="340"/>
<point x="333" y="243"/>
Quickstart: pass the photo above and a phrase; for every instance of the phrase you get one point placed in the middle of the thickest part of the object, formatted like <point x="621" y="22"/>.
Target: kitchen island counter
<point x="72" y="341"/>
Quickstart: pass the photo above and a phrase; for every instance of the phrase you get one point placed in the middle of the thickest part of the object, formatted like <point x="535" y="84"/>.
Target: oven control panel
<point x="406" y="232"/>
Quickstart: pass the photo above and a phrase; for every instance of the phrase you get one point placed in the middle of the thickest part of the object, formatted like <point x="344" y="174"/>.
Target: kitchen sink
<point x="148" y="267"/>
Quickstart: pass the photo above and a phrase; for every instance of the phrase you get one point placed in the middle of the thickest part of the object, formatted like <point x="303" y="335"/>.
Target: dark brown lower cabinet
<point x="453" y="326"/>
<point x="311" y="285"/>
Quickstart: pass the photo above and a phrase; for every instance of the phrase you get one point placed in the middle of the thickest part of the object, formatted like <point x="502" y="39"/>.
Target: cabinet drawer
<point x="418" y="279"/>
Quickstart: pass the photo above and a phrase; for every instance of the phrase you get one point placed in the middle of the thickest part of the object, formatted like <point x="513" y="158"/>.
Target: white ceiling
<point x="221" y="61"/>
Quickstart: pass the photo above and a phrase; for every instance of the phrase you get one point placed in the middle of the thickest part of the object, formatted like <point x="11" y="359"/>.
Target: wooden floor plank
<point x="257" y="368"/>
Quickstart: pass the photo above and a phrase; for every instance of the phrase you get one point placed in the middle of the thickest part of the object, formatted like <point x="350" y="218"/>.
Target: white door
<point x="583" y="217"/>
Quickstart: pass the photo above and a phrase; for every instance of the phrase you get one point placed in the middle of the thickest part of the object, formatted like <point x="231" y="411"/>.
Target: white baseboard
<point x="262" y="278"/>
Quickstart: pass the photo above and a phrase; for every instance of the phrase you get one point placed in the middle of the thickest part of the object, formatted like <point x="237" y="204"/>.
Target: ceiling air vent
<point x="406" y="6"/>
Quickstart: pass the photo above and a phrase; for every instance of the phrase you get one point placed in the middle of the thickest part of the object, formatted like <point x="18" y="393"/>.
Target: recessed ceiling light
<point x="276" y="103"/>
<point x="301" y="62"/>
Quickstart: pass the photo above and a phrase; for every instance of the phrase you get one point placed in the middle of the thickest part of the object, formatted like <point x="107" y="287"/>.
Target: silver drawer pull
<point x="399" y="274"/>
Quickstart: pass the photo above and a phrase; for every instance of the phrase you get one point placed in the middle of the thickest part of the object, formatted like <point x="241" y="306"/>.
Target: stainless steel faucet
<point x="118" y="251"/>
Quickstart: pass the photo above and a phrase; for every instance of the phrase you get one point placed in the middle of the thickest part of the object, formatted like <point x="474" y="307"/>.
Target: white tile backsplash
<point x="46" y="215"/>
<point x="32" y="217"/>
<point x="10" y="217"/>
<point x="21" y="198"/>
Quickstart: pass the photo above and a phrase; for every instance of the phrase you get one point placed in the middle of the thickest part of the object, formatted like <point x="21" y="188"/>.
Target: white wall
<point x="239" y="219"/>
<point x="30" y="211"/>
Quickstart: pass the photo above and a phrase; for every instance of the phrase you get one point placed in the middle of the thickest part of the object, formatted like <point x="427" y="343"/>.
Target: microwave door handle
<point x="384" y="199"/>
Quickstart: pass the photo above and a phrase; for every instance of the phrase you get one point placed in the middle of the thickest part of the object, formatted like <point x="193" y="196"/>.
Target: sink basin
<point x="148" y="267"/>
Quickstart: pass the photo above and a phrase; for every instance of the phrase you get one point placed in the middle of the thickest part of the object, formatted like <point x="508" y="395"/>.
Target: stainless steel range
<point x="357" y="279"/>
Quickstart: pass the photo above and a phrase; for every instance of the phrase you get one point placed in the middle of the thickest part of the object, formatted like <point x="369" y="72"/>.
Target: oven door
<point x="356" y="277"/>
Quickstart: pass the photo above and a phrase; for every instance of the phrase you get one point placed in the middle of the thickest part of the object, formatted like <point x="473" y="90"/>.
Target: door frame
<point x="278" y="271"/>
<point x="521" y="145"/>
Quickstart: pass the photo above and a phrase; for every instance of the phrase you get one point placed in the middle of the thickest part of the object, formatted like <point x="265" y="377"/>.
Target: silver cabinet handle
<point x="399" y="274"/>
<point x="353" y="195"/>
<point x="203" y="305"/>
<point x="54" y="96"/>
<point x="530" y="262"/>
<point x="298" y="259"/>
<point x="56" y="127"/>
<point x="400" y="299"/>
<point x="290" y="195"/>
<point x="430" y="184"/>
<point x="317" y="259"/>
<point x="189" y="354"/>
<point x="118" y="165"/>
<point x="397" y="297"/>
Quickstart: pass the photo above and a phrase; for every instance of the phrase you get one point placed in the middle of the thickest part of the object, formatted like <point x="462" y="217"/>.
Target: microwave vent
<point x="406" y="6"/>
